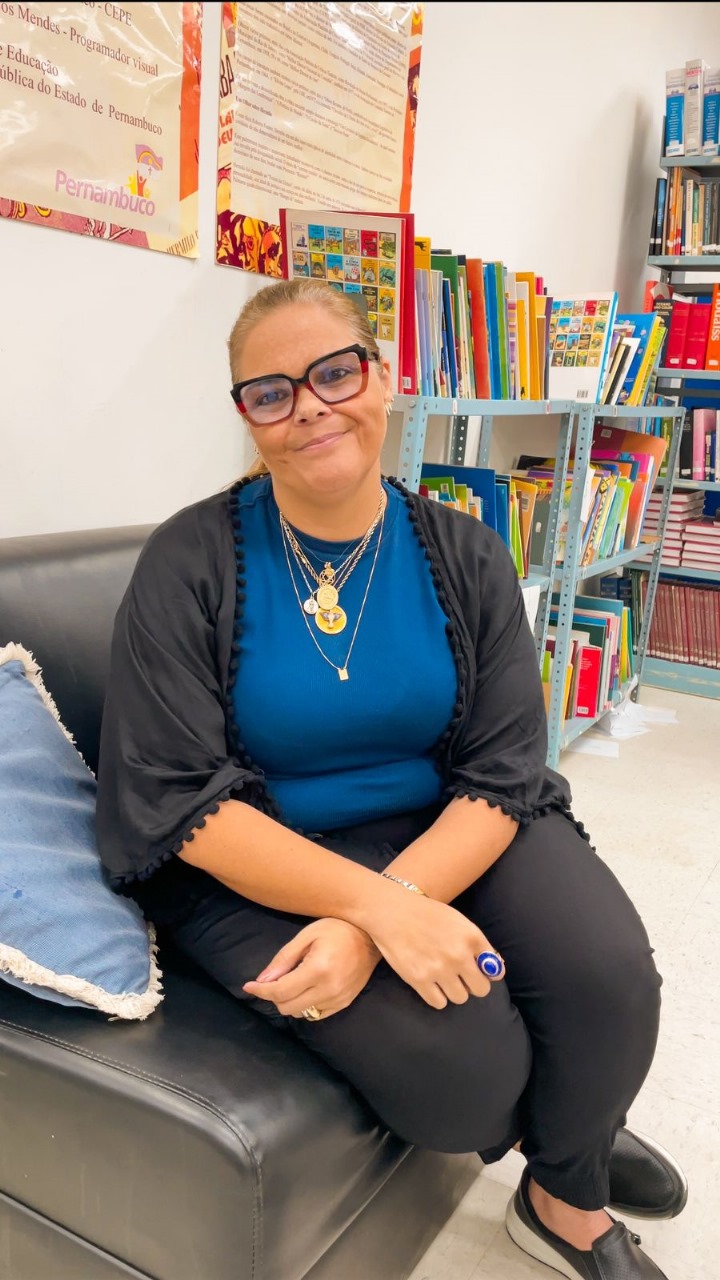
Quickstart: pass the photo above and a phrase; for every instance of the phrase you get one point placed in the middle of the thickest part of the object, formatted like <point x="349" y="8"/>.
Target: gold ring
<point x="312" y="1013"/>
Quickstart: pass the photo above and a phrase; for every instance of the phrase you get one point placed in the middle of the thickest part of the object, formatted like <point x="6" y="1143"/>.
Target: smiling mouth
<point x="321" y="440"/>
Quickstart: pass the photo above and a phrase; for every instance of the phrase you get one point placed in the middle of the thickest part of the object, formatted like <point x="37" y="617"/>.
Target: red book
<point x="588" y="681"/>
<point x="696" y="338"/>
<point x="675" y="344"/>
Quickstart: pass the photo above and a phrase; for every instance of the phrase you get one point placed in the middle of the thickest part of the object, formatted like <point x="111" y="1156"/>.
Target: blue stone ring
<point x="491" y="964"/>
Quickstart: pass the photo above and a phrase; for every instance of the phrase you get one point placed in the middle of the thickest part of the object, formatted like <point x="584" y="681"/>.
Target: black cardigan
<point x="169" y="751"/>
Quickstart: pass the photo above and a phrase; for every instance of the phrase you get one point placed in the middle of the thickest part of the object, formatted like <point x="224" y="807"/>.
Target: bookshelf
<point x="575" y="422"/>
<point x="684" y="272"/>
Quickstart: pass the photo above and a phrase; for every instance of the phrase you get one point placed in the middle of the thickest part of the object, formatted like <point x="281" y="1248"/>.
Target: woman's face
<point x="319" y="447"/>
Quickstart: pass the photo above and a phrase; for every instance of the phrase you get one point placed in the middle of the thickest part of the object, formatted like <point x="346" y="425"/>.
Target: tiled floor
<point x="653" y="814"/>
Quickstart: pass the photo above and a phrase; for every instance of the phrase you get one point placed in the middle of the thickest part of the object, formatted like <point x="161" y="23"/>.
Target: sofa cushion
<point x="63" y="933"/>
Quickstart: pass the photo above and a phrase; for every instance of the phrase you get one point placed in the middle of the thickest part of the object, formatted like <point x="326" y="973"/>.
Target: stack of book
<point x="692" y="109"/>
<point x="701" y="544"/>
<point x="601" y="655"/>
<point x="504" y="502"/>
<point x="693" y="332"/>
<point x="686" y="215"/>
<point x="483" y="330"/>
<point x="684" y="508"/>
<point x="685" y="625"/>
<point x="635" y="345"/>
<point x="699" y="451"/>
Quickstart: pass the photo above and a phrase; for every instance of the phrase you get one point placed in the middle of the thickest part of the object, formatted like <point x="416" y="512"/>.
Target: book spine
<point x="709" y="453"/>
<point x="677" y="247"/>
<point x="694" y="82"/>
<point x="711" y="112"/>
<point x="697" y="336"/>
<point x="677" y="335"/>
<point x="707" y="214"/>
<point x="675" y="112"/>
<point x="685" y="448"/>
<point x="698" y="438"/>
<point x="688" y="216"/>
<point x="478" y="319"/>
<point x="653" y="225"/>
<point x="661" y="199"/>
<point x="712" y="351"/>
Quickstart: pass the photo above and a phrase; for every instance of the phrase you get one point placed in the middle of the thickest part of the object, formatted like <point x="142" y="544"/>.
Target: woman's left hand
<point x="327" y="964"/>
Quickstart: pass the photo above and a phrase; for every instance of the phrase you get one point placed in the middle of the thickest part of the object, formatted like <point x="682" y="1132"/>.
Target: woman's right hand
<point x="430" y="945"/>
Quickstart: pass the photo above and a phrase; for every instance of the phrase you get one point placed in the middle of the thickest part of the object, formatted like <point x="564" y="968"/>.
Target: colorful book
<point x="314" y="242"/>
<point x="580" y="335"/>
<point x="478" y="325"/>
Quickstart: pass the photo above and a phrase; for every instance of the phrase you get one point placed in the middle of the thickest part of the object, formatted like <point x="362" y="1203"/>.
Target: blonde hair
<point x="294" y="292"/>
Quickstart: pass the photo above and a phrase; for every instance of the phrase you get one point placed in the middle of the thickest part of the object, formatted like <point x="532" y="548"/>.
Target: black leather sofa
<point x="201" y="1144"/>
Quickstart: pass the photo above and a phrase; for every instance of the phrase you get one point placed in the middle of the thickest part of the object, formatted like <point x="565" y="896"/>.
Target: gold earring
<point x="388" y="407"/>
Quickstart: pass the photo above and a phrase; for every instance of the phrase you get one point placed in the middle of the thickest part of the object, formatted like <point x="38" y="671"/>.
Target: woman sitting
<point x="323" y="773"/>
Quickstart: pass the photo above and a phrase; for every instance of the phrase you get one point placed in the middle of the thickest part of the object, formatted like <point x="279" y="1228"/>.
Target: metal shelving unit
<point x="574" y="573"/>
<point x="662" y="673"/>
<point x="575" y="423"/>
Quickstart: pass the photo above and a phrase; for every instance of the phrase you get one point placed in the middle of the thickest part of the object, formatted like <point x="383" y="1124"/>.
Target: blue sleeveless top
<point x="336" y="752"/>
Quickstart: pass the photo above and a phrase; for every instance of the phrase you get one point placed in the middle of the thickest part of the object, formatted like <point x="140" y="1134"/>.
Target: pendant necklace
<point x="335" y="624"/>
<point x="322" y="602"/>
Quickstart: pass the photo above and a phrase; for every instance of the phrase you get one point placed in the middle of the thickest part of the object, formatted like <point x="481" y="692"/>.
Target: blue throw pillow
<point x="64" y="934"/>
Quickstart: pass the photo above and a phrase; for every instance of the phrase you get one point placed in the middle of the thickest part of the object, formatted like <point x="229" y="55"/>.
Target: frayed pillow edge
<point x="135" y="1006"/>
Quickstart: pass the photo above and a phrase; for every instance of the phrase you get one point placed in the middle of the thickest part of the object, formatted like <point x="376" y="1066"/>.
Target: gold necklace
<point x="322" y="602"/>
<point x="343" y="673"/>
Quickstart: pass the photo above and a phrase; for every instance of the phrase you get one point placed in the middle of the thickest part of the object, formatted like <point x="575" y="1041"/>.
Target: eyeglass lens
<point x="267" y="400"/>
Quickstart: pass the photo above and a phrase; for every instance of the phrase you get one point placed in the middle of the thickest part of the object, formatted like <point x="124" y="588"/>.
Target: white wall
<point x="538" y="135"/>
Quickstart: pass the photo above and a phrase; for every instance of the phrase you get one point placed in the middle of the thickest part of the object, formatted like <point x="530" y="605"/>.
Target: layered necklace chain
<point x="322" y="602"/>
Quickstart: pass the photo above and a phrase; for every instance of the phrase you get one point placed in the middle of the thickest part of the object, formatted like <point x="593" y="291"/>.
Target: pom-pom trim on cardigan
<point x="256" y="790"/>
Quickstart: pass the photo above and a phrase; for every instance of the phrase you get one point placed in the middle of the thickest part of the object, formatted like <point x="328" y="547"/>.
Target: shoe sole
<point x="537" y="1248"/>
<point x="648" y="1215"/>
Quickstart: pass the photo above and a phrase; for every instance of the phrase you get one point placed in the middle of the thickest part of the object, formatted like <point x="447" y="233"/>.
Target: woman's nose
<point x="308" y="406"/>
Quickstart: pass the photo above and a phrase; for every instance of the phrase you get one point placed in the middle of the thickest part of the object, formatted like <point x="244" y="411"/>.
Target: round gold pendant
<point x="331" y="621"/>
<point x="327" y="597"/>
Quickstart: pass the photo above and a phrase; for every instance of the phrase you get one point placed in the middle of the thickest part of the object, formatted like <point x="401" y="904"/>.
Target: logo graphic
<point x="147" y="163"/>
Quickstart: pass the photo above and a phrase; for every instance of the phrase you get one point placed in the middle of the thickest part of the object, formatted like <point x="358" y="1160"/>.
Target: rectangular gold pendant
<point x="343" y="674"/>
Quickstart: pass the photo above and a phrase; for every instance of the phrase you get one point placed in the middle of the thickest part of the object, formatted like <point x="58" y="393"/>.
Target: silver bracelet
<point x="406" y="884"/>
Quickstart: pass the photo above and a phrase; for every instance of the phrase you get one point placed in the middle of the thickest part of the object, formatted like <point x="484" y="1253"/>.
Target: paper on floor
<point x="592" y="746"/>
<point x="631" y="719"/>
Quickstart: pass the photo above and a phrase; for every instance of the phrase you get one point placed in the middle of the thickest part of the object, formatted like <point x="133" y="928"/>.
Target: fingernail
<point x="267" y="975"/>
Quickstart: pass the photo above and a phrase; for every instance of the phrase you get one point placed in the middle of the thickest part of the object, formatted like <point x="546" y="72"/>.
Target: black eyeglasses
<point x="332" y="378"/>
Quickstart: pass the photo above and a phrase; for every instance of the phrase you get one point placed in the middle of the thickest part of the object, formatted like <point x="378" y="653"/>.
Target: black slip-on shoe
<point x="645" y="1180"/>
<point x="615" y="1255"/>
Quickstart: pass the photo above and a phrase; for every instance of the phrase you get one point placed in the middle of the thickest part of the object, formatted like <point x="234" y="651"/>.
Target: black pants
<point x="553" y="1056"/>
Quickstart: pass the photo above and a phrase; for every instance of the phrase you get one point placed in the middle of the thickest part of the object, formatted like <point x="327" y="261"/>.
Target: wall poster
<point x="317" y="110"/>
<point x="99" y="120"/>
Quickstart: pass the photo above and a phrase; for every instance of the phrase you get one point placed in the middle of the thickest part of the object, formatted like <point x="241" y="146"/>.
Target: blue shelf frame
<point x="712" y="486"/>
<point x="685" y="261"/>
<point x="682" y="677"/>
<point x="697" y="375"/>
<point x="576" y="423"/>
<point x="690" y="162"/>
<point x="681" y="571"/>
